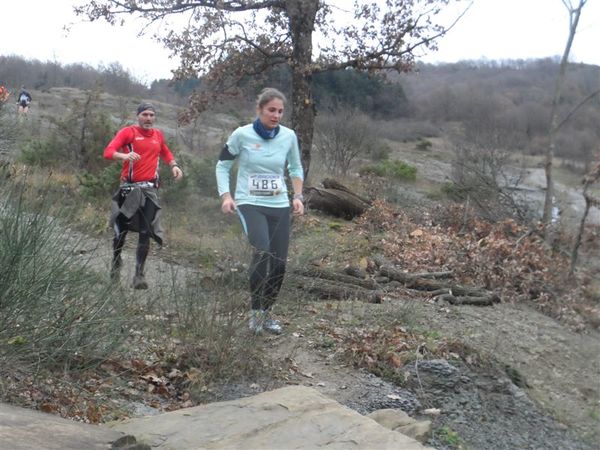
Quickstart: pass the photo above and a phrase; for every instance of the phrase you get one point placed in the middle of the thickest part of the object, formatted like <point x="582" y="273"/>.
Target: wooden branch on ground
<point x="355" y="272"/>
<point x="394" y="274"/>
<point x="329" y="284"/>
<point x="486" y="300"/>
<point x="335" y="276"/>
<point x="333" y="290"/>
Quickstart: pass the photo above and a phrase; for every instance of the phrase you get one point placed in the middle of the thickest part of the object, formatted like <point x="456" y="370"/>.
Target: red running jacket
<point x="149" y="144"/>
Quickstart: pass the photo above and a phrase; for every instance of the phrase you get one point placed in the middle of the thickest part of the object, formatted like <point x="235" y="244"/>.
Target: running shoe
<point x="271" y="325"/>
<point x="139" y="282"/>
<point x="256" y="322"/>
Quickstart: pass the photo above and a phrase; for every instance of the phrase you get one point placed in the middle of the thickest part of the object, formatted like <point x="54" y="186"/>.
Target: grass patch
<point x="54" y="309"/>
<point x="391" y="168"/>
<point x="448" y="437"/>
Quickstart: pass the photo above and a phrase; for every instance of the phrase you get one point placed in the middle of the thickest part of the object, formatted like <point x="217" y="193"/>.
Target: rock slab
<point x="25" y="429"/>
<point x="295" y="417"/>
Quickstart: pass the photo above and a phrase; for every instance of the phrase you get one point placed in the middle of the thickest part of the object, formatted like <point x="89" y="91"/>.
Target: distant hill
<point x="510" y="100"/>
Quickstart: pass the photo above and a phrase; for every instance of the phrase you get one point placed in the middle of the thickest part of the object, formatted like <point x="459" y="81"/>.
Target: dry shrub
<point x="504" y="257"/>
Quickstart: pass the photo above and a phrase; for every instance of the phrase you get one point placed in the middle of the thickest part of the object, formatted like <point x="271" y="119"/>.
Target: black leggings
<point x="268" y="230"/>
<point x="145" y="218"/>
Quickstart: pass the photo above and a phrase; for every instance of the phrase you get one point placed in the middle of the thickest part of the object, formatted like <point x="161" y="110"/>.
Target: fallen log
<point x="394" y="274"/>
<point x="328" y="284"/>
<point x="335" y="202"/>
<point x="355" y="272"/>
<point x="331" y="290"/>
<point x="486" y="300"/>
<point x="453" y="293"/>
<point x="335" y="276"/>
<point x="330" y="183"/>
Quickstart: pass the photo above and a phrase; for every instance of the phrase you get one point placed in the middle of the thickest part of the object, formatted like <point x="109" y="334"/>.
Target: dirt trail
<point x="559" y="370"/>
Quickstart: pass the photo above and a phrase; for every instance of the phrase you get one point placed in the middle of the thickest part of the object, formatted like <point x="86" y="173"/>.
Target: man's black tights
<point x="145" y="217"/>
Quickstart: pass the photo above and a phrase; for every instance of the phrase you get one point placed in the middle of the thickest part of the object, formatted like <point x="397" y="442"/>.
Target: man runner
<point x="135" y="205"/>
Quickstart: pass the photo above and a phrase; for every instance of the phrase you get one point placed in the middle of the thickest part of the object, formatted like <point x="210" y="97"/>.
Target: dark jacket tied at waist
<point x="128" y="200"/>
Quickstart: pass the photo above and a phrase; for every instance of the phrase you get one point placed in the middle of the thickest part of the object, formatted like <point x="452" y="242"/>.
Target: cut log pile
<point x="355" y="284"/>
<point x="384" y="278"/>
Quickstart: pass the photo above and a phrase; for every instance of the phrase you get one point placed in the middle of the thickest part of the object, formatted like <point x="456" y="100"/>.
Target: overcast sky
<point x="492" y="29"/>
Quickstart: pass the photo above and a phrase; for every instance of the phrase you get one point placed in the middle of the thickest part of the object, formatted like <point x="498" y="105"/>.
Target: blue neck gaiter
<point x="263" y="132"/>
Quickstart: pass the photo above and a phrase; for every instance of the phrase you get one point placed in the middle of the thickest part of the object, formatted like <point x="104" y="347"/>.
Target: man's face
<point x="146" y="119"/>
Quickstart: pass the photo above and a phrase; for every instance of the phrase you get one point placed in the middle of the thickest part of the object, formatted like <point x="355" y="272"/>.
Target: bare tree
<point x="227" y="41"/>
<point x="341" y="137"/>
<point x="590" y="201"/>
<point x="574" y="14"/>
<point x="482" y="176"/>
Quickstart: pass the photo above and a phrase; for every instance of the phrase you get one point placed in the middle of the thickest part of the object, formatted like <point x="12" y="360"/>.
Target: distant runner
<point x="4" y="94"/>
<point x="23" y="101"/>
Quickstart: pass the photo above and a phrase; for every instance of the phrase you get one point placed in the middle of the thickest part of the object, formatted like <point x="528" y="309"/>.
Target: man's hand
<point x="177" y="172"/>
<point x="131" y="156"/>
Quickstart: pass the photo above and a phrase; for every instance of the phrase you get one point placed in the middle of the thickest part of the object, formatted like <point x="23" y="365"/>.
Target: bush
<point x="389" y="168"/>
<point x="407" y="130"/>
<point x="456" y="191"/>
<point x="48" y="153"/>
<point x="423" y="144"/>
<point x="54" y="310"/>
<point x="380" y="152"/>
<point x="198" y="178"/>
<point x="102" y="184"/>
<point x="342" y="137"/>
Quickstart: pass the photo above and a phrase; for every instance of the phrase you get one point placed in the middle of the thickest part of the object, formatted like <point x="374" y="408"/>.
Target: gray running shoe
<point x="257" y="319"/>
<point x="139" y="282"/>
<point x="271" y="325"/>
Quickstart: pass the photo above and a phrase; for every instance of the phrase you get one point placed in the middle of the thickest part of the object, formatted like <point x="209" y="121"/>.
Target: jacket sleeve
<point x="294" y="162"/>
<point x="122" y="138"/>
<point x="226" y="159"/>
<point x="165" y="152"/>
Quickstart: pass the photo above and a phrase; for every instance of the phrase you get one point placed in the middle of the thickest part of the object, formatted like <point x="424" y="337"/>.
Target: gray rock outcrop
<point x="295" y="417"/>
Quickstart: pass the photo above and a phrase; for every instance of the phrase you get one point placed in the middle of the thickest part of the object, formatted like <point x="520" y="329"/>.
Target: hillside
<point x="517" y="374"/>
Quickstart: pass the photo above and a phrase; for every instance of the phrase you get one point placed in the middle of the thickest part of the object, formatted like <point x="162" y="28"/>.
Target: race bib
<point x="264" y="185"/>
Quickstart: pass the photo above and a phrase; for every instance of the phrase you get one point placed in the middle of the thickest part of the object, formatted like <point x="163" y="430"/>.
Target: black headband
<point x="144" y="107"/>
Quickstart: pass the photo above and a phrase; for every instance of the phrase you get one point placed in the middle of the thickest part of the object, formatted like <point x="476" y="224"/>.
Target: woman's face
<point x="270" y="113"/>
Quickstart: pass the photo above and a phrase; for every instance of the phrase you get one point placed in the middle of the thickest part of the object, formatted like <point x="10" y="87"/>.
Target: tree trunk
<point x="83" y="157"/>
<point x="335" y="202"/>
<point x="302" y="14"/>
<point x="591" y="178"/>
<point x="486" y="300"/>
<point x="330" y="183"/>
<point x="549" y="157"/>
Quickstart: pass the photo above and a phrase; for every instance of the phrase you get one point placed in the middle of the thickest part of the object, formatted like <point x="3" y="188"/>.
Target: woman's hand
<point x="297" y="207"/>
<point x="227" y="204"/>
